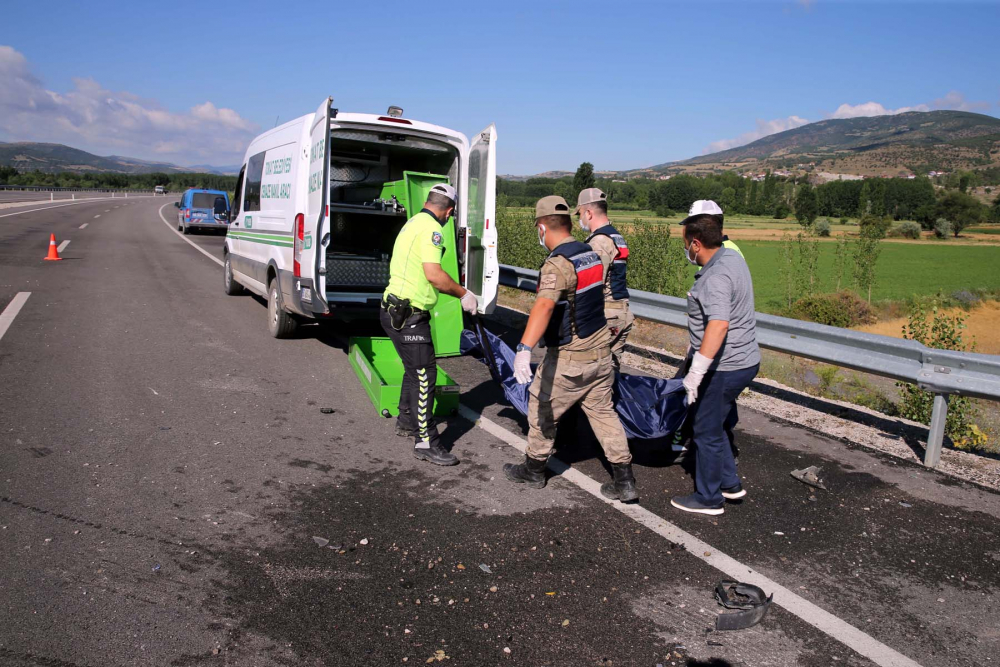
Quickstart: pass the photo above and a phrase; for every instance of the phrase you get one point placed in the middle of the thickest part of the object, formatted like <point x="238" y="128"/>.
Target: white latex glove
<point x="699" y="366"/>
<point x="469" y="303"/>
<point x="522" y="366"/>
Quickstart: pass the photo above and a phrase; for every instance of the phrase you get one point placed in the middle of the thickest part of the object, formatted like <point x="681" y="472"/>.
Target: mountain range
<point x="29" y="156"/>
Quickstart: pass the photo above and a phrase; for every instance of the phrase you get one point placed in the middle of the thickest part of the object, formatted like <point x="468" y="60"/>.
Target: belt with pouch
<point x="616" y="305"/>
<point x="581" y="355"/>
<point x="399" y="310"/>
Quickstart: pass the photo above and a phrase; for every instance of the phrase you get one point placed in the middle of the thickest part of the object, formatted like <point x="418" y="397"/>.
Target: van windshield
<point x="204" y="200"/>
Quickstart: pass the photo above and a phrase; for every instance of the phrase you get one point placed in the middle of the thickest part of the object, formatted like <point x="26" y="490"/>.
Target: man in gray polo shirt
<point x="725" y="359"/>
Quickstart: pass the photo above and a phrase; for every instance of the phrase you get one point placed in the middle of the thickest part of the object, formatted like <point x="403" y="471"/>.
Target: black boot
<point x="404" y="425"/>
<point x="435" y="454"/>
<point x="530" y="473"/>
<point x="623" y="486"/>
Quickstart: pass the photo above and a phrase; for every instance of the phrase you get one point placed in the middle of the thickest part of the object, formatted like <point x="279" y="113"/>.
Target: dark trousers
<point x="729" y="426"/>
<point x="713" y="418"/>
<point x="416" y="398"/>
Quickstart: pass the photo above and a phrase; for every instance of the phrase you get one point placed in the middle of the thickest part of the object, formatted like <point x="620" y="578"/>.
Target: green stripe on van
<point x="280" y="242"/>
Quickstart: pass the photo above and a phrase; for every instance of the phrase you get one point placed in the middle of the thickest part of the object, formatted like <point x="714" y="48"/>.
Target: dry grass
<point x="982" y="326"/>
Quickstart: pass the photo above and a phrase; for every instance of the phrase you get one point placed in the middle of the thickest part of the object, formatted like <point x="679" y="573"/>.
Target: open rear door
<point x="482" y="269"/>
<point x="315" y="235"/>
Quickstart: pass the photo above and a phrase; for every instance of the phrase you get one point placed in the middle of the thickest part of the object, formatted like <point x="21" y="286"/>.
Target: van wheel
<point x="185" y="230"/>
<point x="279" y="322"/>
<point x="233" y="288"/>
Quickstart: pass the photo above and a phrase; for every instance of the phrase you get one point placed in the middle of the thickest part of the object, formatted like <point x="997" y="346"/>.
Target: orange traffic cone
<point x="53" y="250"/>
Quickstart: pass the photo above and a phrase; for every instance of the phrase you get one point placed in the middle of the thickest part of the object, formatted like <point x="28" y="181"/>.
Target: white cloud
<point x="97" y="119"/>
<point x="872" y="109"/>
<point x="764" y="128"/>
<point x="956" y="100"/>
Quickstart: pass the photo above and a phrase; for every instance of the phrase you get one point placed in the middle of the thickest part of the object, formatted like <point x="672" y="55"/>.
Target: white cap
<point x="702" y="207"/>
<point x="446" y="190"/>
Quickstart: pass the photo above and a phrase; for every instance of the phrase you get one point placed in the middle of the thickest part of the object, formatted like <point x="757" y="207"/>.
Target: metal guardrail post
<point x="935" y="438"/>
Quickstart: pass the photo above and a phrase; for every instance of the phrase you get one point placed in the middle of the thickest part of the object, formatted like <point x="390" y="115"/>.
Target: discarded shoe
<point x="692" y="504"/>
<point x="531" y="473"/>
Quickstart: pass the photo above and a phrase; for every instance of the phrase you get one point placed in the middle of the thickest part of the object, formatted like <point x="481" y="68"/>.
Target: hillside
<point x="29" y="156"/>
<point x="879" y="145"/>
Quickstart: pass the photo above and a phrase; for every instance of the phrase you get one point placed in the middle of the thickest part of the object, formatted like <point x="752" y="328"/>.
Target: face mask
<point x="541" y="236"/>
<point x="687" y="255"/>
<point x="583" y="222"/>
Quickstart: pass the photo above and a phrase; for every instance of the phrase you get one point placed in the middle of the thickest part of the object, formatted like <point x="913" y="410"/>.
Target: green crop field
<point x="904" y="270"/>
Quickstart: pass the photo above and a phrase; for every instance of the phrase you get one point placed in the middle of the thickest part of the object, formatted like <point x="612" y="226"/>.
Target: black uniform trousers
<point x="415" y="348"/>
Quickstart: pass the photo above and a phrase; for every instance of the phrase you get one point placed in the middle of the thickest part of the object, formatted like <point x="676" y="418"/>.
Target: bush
<point x="663" y="212"/>
<point x="822" y="227"/>
<point x="844" y="221"/>
<point x="905" y="230"/>
<point x="782" y="211"/>
<point x="873" y="226"/>
<point x="942" y="228"/>
<point x="943" y="332"/>
<point x="840" y="309"/>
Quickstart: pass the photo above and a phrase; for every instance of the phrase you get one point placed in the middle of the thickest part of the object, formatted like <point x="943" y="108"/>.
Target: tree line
<point x="775" y="196"/>
<point x="70" y="179"/>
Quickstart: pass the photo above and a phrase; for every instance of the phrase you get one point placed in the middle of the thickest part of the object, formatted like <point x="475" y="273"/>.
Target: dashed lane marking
<point x="62" y="246"/>
<point x="46" y="208"/>
<point x="183" y="238"/>
<point x="815" y="616"/>
<point x="11" y="311"/>
<point x="97" y="216"/>
<point x="84" y="225"/>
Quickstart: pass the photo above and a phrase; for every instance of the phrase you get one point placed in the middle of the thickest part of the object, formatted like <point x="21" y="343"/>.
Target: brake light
<point x="300" y="238"/>
<point x="401" y="121"/>
<point x="187" y="213"/>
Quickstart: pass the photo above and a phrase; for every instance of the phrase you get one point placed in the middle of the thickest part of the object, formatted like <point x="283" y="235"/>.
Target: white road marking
<point x="84" y="225"/>
<point x="815" y="616"/>
<point x="62" y="246"/>
<point x="97" y="216"/>
<point x="183" y="238"/>
<point x="46" y="208"/>
<point x="11" y="311"/>
<point x="154" y="391"/>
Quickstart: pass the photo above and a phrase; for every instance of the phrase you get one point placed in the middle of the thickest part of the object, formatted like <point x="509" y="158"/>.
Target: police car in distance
<point x="159" y="190"/>
<point x="202" y="209"/>
<point x="316" y="212"/>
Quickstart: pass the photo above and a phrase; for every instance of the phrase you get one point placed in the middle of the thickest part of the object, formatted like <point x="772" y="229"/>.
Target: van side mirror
<point x="177" y="204"/>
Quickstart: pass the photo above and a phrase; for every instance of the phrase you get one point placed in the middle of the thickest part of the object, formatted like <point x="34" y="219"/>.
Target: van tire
<point x="279" y="322"/>
<point x="232" y="287"/>
<point x="184" y="230"/>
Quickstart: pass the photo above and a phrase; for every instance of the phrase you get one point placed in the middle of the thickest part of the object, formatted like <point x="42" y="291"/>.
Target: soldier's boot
<point x="623" y="486"/>
<point x="404" y="424"/>
<point x="531" y="473"/>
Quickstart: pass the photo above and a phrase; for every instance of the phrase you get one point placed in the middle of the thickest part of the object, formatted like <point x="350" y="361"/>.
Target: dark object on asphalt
<point x="327" y="411"/>
<point x="531" y="473"/>
<point x="810" y="476"/>
<point x="623" y="486"/>
<point x="750" y="600"/>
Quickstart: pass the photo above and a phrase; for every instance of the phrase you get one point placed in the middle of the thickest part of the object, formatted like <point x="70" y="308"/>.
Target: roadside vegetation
<point x="173" y="182"/>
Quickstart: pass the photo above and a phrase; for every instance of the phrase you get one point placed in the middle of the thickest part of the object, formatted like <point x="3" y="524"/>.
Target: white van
<point x="311" y="227"/>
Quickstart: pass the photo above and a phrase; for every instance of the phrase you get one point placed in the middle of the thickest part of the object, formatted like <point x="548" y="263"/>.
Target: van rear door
<point x="482" y="269"/>
<point x="310" y="243"/>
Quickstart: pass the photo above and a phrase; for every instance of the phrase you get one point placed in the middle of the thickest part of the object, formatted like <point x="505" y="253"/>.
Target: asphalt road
<point x="10" y="196"/>
<point x="165" y="468"/>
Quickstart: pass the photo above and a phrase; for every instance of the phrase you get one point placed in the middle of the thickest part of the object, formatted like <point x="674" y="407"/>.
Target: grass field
<point x="904" y="271"/>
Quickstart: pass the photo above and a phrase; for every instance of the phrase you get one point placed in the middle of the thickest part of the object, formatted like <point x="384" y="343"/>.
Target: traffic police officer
<point x="577" y="368"/>
<point x="416" y="278"/>
<point x="610" y="246"/>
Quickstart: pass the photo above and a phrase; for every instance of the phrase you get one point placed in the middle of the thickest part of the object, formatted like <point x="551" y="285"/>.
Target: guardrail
<point x="46" y="188"/>
<point x="941" y="372"/>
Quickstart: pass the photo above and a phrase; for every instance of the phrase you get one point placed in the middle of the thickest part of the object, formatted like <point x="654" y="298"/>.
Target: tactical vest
<point x="581" y="314"/>
<point x="618" y="268"/>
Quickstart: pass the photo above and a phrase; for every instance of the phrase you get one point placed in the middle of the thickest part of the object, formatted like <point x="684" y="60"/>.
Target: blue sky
<point x="621" y="84"/>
